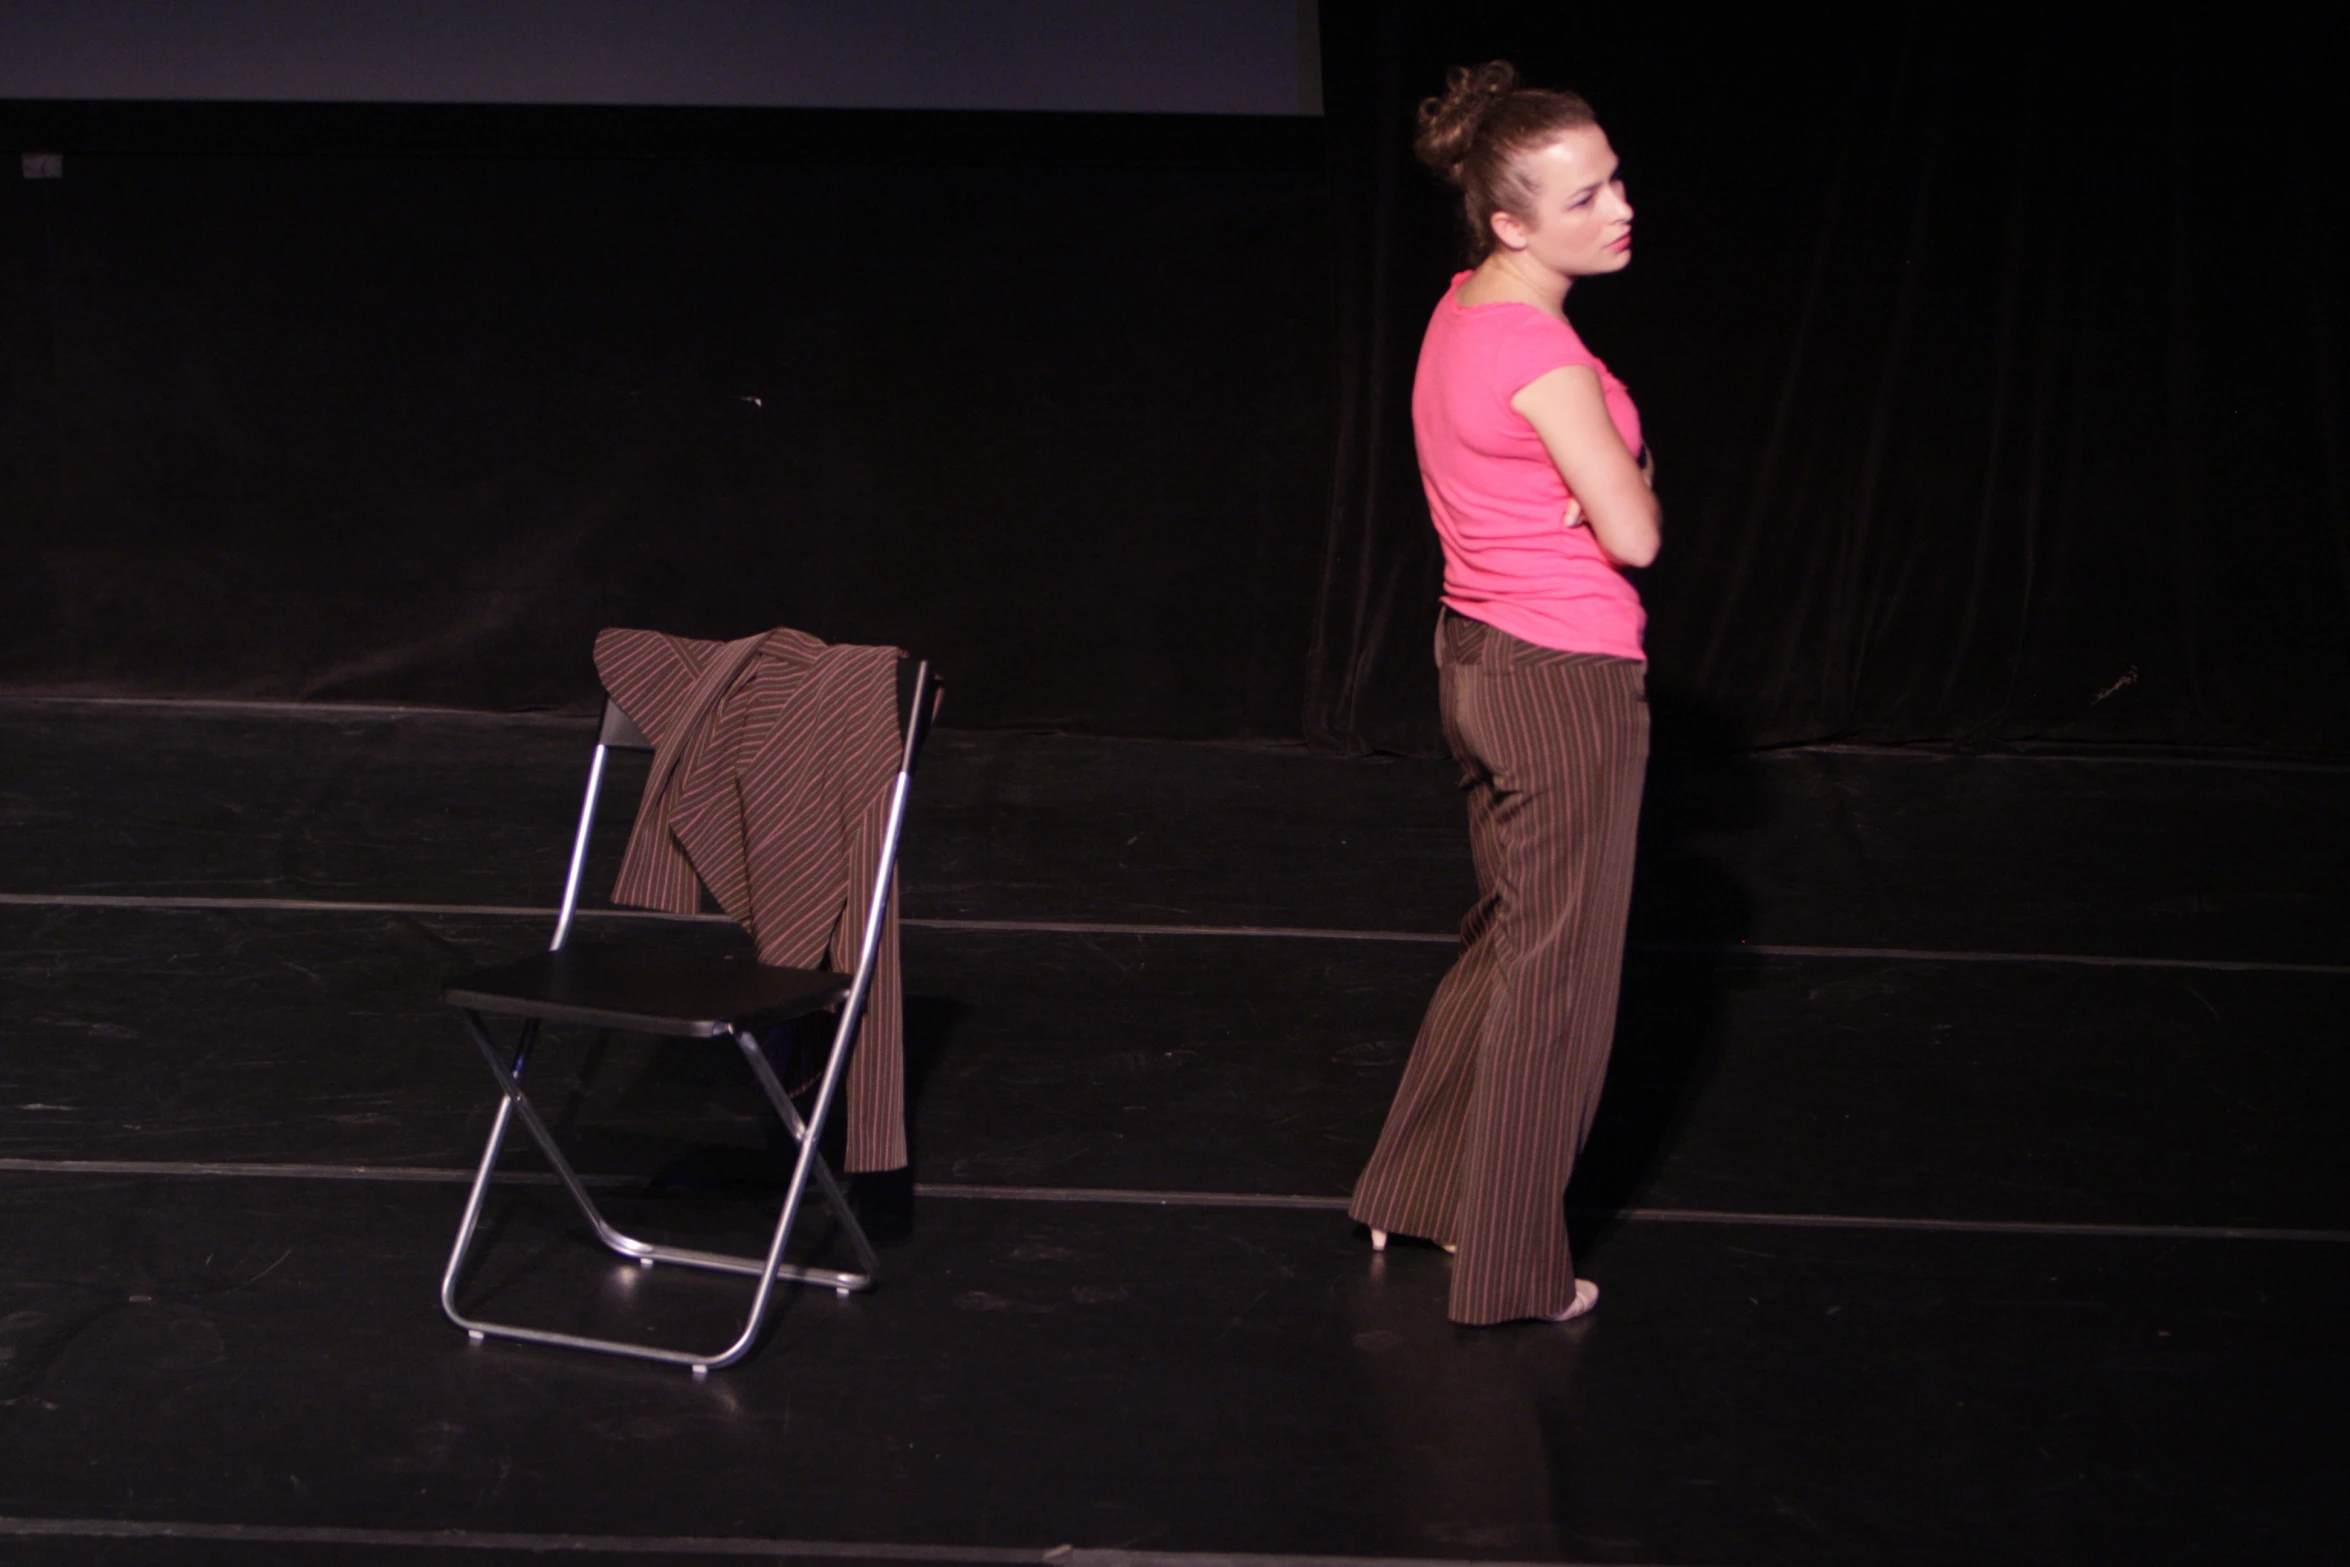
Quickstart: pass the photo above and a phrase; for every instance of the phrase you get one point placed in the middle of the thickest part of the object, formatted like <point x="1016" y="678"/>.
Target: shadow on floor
<point x="1702" y="787"/>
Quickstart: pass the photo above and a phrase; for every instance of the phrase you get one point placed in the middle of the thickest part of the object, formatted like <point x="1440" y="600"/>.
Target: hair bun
<point x="1449" y="123"/>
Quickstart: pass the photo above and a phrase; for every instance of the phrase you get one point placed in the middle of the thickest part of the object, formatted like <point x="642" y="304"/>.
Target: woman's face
<point x="1581" y="223"/>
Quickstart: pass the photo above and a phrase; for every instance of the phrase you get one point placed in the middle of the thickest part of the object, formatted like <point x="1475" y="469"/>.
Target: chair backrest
<point x="620" y="732"/>
<point x="918" y="694"/>
<point x="917" y="706"/>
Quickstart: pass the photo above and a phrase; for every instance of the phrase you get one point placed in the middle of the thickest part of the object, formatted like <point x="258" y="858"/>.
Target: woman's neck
<point x="1509" y="275"/>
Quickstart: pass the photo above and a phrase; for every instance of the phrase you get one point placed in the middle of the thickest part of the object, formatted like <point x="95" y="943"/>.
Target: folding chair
<point x="679" y="995"/>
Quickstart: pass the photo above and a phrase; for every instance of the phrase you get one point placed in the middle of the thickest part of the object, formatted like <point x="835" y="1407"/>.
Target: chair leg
<point x="768" y="1270"/>
<point x="834" y="1197"/>
<point x="471" y="1221"/>
<point x="518" y="1103"/>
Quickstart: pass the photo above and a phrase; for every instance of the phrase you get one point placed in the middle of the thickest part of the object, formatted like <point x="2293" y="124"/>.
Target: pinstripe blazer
<point x="772" y="761"/>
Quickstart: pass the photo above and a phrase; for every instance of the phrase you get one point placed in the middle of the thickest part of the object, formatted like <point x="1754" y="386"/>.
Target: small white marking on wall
<point x="2129" y="677"/>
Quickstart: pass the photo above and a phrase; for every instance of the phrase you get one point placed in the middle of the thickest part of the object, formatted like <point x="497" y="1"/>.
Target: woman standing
<point x="1541" y="492"/>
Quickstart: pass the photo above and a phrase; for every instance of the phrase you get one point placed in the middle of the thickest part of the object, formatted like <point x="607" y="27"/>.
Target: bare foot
<point x="1586" y="1297"/>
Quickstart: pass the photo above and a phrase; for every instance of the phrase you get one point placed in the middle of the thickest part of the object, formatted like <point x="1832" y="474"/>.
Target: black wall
<point x="1994" y="363"/>
<point x="402" y="404"/>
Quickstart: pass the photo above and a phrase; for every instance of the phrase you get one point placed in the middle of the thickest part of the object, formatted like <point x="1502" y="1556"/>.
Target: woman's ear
<point x="1509" y="231"/>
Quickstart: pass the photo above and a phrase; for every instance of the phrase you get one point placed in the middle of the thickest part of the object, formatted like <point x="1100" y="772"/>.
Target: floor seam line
<point x="305" y="712"/>
<point x="450" y="1175"/>
<point x="696" y="1545"/>
<point x="1740" y="949"/>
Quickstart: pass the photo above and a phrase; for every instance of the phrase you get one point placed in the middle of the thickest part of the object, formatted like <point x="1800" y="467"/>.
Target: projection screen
<point x="1249" y="57"/>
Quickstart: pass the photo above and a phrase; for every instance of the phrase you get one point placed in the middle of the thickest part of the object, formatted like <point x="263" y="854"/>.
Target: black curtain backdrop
<point x="401" y="404"/>
<point x="1993" y="363"/>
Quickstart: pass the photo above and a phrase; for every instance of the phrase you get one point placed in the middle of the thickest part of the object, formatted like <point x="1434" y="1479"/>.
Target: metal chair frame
<point x="814" y="990"/>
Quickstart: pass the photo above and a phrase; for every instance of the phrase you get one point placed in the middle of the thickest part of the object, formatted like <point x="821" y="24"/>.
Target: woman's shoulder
<point x="1524" y="341"/>
<point x="1540" y="326"/>
<point x="1514" y="319"/>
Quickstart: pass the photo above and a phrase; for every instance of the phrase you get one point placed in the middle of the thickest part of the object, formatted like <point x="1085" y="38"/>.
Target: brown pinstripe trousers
<point x="1499" y="1091"/>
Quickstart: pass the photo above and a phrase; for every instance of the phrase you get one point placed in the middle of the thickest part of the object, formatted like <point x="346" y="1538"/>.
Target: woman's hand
<point x="1611" y="492"/>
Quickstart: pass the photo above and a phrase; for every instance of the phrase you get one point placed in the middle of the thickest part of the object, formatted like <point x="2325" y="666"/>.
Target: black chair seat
<point x="681" y="994"/>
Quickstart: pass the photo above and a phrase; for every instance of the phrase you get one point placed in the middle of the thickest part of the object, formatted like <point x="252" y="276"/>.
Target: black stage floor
<point x="1971" y="1185"/>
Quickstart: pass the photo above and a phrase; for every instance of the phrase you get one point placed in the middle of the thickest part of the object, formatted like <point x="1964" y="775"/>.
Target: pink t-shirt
<point x="1499" y="503"/>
